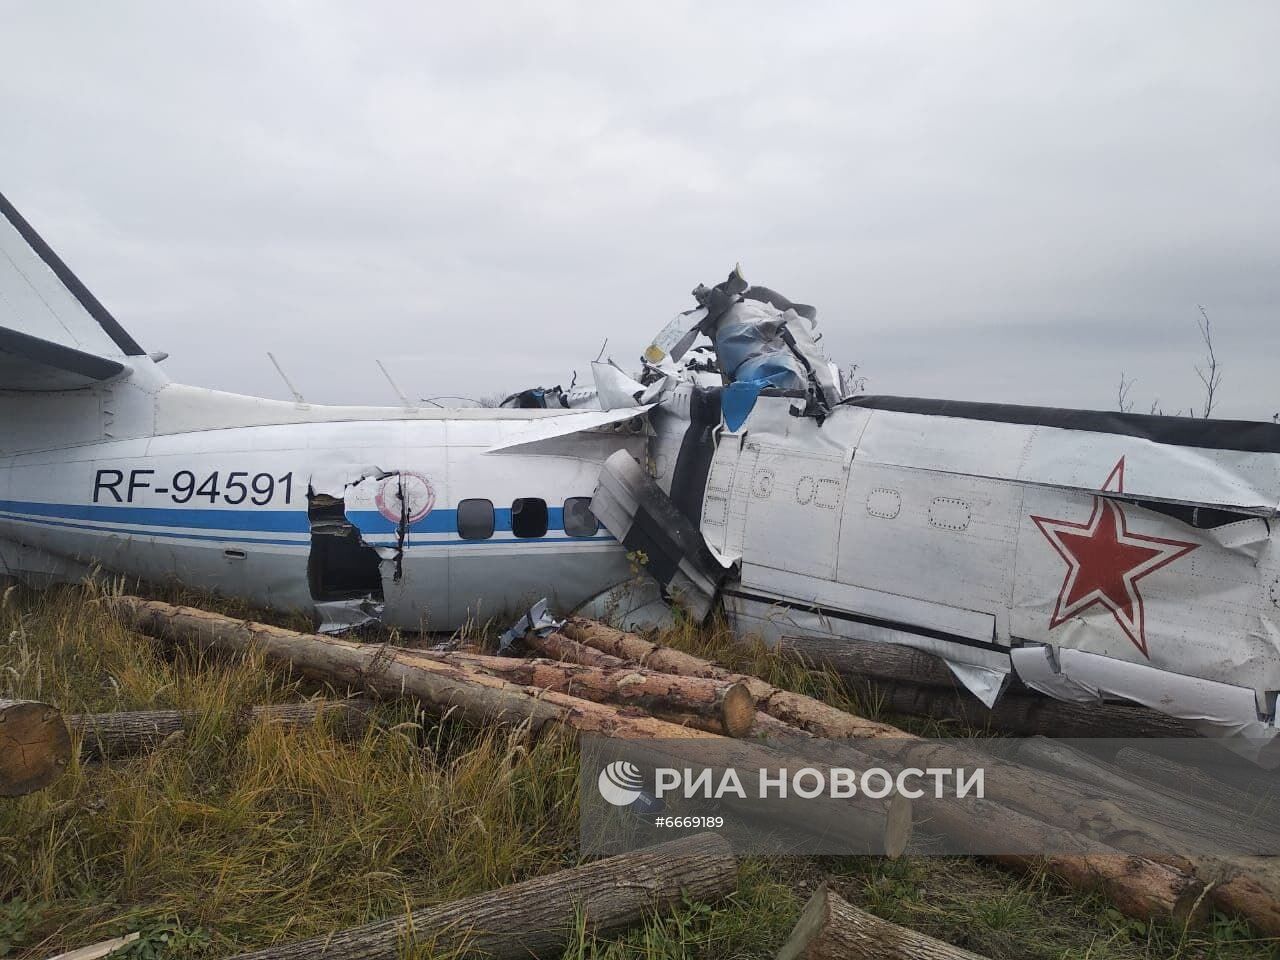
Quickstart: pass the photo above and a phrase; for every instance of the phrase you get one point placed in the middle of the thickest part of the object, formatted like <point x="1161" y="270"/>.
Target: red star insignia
<point x="1105" y="561"/>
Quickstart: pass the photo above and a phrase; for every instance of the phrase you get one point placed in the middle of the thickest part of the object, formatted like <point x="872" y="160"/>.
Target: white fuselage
<point x="976" y="541"/>
<point x="254" y="511"/>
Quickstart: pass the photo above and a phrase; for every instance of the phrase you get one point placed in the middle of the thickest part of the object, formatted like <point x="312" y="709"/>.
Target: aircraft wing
<point x="567" y="424"/>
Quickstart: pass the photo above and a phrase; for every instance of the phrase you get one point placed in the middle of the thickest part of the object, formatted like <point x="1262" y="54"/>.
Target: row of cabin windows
<point x="528" y="518"/>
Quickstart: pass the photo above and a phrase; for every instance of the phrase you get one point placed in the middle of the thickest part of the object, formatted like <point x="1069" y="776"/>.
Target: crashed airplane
<point x="1095" y="555"/>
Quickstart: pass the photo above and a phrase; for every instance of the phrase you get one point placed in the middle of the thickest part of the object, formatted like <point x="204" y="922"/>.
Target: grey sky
<point x="1008" y="201"/>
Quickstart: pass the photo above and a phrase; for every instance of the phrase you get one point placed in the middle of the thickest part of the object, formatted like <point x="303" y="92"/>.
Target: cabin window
<point x="579" y="521"/>
<point x="529" y="517"/>
<point x="475" y="519"/>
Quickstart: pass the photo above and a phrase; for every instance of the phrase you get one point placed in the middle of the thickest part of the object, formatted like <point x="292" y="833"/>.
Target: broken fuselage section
<point x="1095" y="555"/>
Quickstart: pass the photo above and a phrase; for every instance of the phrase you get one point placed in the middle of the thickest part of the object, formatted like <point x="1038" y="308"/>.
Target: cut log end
<point x="898" y="825"/>
<point x="830" y="928"/>
<point x="35" y="746"/>
<point x="738" y="710"/>
<point x="813" y="918"/>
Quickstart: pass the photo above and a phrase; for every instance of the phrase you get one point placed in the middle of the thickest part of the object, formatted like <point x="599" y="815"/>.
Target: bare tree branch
<point x="1123" y="403"/>
<point x="1210" y="374"/>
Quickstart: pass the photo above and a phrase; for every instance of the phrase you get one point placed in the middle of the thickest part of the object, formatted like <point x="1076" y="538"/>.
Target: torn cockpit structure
<point x="1096" y="555"/>
<point x="758" y="340"/>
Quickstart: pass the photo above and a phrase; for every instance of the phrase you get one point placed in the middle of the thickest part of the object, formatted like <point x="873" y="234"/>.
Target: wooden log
<point x="882" y="826"/>
<point x="1189" y="781"/>
<point x="35" y="746"/>
<point x="386" y="671"/>
<point x="813" y="716"/>
<point x="830" y="928"/>
<point x="558" y="646"/>
<point x="1027" y="715"/>
<point x="728" y="707"/>
<point x="539" y="917"/>
<point x="1138" y="886"/>
<point x="1043" y="796"/>
<point x="635" y="649"/>
<point x="909" y="681"/>
<point x="1246" y="886"/>
<point x="1249" y="887"/>
<point x="111" y="735"/>
<point x="1040" y="794"/>
<point x="870" y="660"/>
<point x="1190" y="817"/>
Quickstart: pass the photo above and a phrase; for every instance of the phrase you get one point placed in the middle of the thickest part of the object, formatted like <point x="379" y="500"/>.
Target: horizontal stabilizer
<point x="42" y="298"/>
<point x="29" y="363"/>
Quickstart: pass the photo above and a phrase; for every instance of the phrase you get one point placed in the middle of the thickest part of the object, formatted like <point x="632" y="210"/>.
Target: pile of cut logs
<point x="590" y="678"/>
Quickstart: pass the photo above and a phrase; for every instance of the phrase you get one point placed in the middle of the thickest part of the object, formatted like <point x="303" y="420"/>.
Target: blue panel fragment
<point x="737" y="400"/>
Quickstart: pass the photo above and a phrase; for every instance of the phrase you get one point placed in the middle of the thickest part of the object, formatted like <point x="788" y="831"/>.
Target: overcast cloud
<point x="1010" y="201"/>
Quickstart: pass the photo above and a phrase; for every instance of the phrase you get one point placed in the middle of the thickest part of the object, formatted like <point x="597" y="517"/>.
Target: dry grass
<point x="259" y="834"/>
<point x="227" y="838"/>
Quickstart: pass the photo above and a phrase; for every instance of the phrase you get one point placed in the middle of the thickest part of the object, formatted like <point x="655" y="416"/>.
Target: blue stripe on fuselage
<point x="372" y="522"/>
<point x="255" y="520"/>
<point x="130" y="532"/>
<point x="126" y="520"/>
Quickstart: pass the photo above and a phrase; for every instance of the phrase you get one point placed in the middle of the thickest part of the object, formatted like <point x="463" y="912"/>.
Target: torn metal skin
<point x="360" y="527"/>
<point x="535" y="620"/>
<point x="344" y="571"/>
<point x="1097" y="555"/>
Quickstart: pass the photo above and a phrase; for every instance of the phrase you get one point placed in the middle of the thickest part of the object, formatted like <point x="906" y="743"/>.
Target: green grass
<point x="227" y="838"/>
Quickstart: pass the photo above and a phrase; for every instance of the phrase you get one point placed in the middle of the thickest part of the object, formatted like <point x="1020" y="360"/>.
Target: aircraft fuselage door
<point x="724" y="504"/>
<point x="794" y="503"/>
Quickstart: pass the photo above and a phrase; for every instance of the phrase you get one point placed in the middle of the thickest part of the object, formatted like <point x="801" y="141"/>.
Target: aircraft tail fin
<point x="54" y="333"/>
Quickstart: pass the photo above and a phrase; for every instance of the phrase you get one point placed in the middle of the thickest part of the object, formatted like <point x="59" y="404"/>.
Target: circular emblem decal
<point x="417" y="493"/>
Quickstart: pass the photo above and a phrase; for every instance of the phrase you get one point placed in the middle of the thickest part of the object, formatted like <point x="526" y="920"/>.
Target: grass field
<point x="226" y="839"/>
